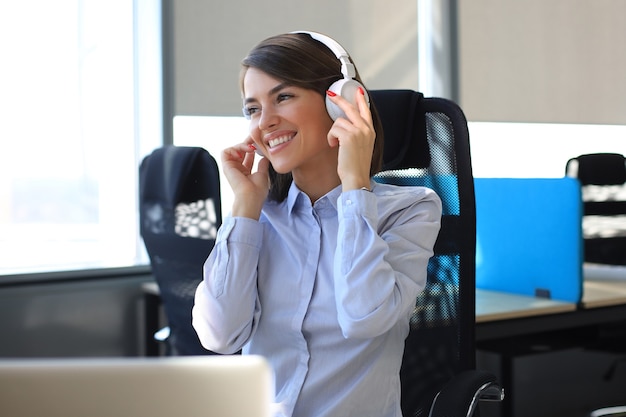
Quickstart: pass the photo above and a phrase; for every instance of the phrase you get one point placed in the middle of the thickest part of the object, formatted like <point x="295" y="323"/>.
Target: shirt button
<point x="348" y="202"/>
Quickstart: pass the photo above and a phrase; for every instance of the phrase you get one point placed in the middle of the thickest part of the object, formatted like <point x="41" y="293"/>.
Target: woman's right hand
<point x="250" y="188"/>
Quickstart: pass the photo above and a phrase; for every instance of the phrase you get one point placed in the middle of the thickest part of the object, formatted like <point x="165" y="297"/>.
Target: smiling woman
<point x="355" y="278"/>
<point x="80" y="94"/>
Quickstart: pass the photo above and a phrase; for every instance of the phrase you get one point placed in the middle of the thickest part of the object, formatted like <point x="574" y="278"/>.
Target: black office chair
<point x="603" y="181"/>
<point x="180" y="213"/>
<point x="427" y="143"/>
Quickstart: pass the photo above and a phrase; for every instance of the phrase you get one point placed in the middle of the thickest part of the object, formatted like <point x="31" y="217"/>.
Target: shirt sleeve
<point x="226" y="305"/>
<point x="381" y="258"/>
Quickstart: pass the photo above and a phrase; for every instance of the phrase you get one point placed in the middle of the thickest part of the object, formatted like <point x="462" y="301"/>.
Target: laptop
<point x="529" y="237"/>
<point x="198" y="386"/>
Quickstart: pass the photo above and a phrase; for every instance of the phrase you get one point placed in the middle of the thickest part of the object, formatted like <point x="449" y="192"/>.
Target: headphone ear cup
<point x="346" y="88"/>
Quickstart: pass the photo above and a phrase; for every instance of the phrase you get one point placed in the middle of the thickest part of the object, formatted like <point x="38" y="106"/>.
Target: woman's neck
<point x="316" y="185"/>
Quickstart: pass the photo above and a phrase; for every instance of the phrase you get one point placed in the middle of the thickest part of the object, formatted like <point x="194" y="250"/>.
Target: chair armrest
<point x="460" y="396"/>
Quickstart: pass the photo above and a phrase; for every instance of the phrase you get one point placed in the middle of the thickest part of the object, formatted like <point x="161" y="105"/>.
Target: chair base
<point x="609" y="412"/>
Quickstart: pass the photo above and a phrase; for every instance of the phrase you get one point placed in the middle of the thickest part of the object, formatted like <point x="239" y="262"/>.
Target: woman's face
<point x="288" y="124"/>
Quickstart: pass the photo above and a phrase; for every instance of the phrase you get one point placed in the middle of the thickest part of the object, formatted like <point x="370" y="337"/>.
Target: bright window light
<point x="213" y="133"/>
<point x="80" y="105"/>
<point x="506" y="150"/>
<point x="537" y="150"/>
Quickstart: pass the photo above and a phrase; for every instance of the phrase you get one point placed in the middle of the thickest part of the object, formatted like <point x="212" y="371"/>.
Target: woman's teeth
<point x="279" y="140"/>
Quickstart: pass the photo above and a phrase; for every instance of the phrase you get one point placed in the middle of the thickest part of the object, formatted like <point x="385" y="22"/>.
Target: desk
<point x="493" y="306"/>
<point x="500" y="315"/>
<point x="504" y="319"/>
<point x="510" y="324"/>
<point x="604" y="293"/>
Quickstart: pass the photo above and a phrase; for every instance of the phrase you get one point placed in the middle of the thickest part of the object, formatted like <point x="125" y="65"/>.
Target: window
<point x="537" y="150"/>
<point x="214" y="133"/>
<point x="81" y="105"/>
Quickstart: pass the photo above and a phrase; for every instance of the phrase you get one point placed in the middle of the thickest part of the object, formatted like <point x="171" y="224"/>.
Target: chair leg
<point x="151" y="305"/>
<point x="506" y="376"/>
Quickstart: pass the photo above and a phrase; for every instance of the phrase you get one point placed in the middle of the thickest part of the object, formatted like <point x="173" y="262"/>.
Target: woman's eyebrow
<point x="273" y="91"/>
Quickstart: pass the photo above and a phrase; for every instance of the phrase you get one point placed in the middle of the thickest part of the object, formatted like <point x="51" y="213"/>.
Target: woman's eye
<point x="283" y="97"/>
<point x="248" y="111"/>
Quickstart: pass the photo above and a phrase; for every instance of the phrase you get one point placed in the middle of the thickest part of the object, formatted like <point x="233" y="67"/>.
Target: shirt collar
<point x="297" y="198"/>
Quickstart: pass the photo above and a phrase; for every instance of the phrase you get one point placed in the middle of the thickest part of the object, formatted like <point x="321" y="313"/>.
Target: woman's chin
<point x="281" y="168"/>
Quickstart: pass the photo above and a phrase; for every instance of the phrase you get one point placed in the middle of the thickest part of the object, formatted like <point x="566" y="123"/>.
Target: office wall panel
<point x="210" y="38"/>
<point x="543" y="61"/>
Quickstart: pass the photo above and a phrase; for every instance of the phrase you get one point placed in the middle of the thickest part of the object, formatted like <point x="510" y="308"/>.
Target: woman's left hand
<point x="354" y="135"/>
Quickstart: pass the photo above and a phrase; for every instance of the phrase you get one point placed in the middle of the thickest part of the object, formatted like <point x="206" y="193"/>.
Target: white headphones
<point x="347" y="86"/>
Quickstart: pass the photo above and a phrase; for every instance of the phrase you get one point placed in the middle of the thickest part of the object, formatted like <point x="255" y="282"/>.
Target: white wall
<point x="543" y="61"/>
<point x="211" y="38"/>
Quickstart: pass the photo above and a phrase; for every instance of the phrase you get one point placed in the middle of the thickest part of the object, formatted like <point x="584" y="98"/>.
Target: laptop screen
<point x="220" y="386"/>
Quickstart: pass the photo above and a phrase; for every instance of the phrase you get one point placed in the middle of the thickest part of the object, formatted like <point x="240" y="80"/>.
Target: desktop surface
<point x="495" y="305"/>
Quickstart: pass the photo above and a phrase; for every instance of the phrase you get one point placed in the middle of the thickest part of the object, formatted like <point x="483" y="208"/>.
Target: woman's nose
<point x="268" y="119"/>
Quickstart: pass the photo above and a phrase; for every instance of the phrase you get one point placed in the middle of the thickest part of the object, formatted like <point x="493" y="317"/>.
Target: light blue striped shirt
<point x="324" y="292"/>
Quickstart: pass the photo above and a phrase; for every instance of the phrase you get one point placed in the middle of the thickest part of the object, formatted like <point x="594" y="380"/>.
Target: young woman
<point x="317" y="267"/>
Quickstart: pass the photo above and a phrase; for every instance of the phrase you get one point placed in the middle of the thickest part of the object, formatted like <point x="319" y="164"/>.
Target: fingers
<point x="263" y="168"/>
<point x="355" y="136"/>
<point x="363" y="105"/>
<point x="354" y="112"/>
<point x="239" y="157"/>
<point x="231" y="154"/>
<point x="239" y="151"/>
<point x="249" y="185"/>
<point x="357" y="123"/>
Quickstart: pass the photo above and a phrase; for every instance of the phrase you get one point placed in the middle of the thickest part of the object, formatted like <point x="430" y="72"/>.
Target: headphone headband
<point x="347" y="67"/>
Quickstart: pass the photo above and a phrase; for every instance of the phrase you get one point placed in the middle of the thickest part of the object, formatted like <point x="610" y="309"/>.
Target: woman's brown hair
<point x="301" y="61"/>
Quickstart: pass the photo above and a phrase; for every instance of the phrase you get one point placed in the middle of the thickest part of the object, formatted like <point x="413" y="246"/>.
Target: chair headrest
<point x="403" y="120"/>
<point x="174" y="174"/>
<point x="601" y="169"/>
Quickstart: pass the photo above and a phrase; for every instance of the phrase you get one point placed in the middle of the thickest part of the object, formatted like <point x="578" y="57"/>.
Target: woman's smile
<point x="289" y="124"/>
<point x="276" y="140"/>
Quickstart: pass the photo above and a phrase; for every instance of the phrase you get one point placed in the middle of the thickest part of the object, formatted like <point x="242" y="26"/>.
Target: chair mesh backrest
<point x="603" y="181"/>
<point x="180" y="212"/>
<point x="427" y="143"/>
